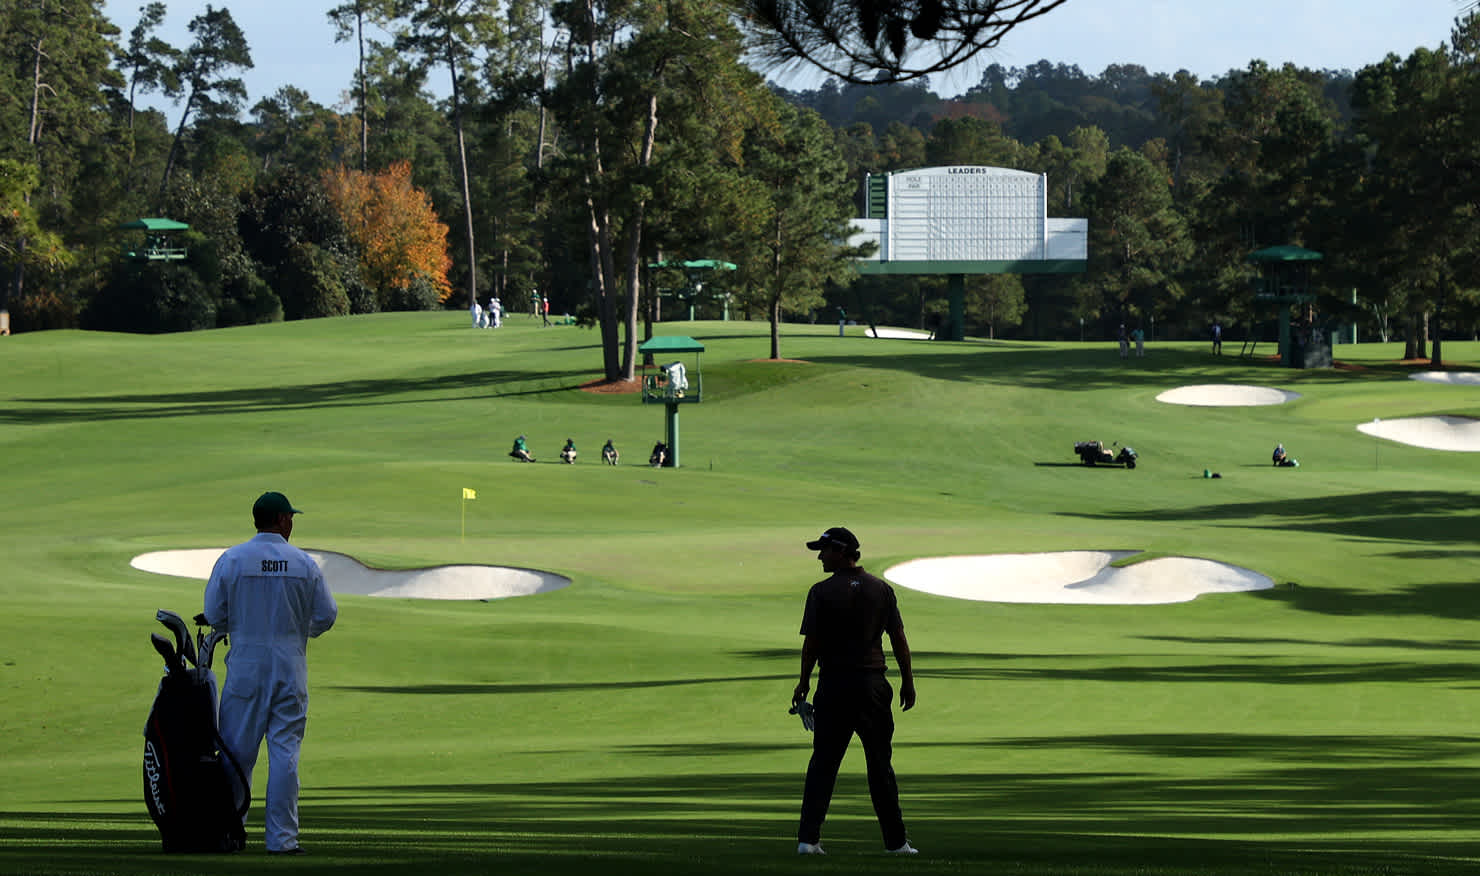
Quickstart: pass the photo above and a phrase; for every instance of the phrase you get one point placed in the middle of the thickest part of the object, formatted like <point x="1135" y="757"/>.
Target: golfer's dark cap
<point x="838" y="537"/>
<point x="274" y="503"/>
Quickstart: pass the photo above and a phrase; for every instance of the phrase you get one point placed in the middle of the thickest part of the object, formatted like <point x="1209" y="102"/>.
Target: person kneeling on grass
<point x="609" y="454"/>
<point x="659" y="456"/>
<point x="1281" y="457"/>
<point x="568" y="452"/>
<point x="521" y="450"/>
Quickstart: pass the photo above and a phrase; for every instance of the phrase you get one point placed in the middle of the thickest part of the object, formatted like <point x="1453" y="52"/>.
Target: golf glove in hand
<point x="805" y="710"/>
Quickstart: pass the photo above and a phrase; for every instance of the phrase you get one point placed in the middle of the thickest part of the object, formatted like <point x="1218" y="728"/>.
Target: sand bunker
<point x="345" y="574"/>
<point x="1074" y="577"/>
<point x="1226" y="395"/>
<point x="1465" y="378"/>
<point x="1435" y="433"/>
<point x="896" y="333"/>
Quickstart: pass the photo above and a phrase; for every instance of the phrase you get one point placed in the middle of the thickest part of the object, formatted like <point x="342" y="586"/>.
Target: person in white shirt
<point x="270" y="598"/>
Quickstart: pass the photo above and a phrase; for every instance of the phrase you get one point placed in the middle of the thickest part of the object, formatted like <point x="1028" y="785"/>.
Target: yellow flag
<point x="469" y="493"/>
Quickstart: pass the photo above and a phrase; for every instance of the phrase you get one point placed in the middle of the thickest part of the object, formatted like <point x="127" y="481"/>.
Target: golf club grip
<point x="167" y="650"/>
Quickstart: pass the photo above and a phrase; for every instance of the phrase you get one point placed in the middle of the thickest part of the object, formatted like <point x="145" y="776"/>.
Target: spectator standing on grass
<point x="1217" y="339"/>
<point x="270" y="599"/>
<point x="1125" y="343"/>
<point x="843" y="624"/>
<point x="1139" y="337"/>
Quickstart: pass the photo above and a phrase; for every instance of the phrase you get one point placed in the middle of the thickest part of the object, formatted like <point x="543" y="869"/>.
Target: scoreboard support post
<point x="956" y="289"/>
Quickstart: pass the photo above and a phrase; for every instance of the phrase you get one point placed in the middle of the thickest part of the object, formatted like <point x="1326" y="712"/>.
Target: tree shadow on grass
<point x="1093" y="368"/>
<point x="347" y="393"/>
<point x="505" y="689"/>
<point x="1225" y="804"/>
<point x="1268" y="641"/>
<point x="1454" y="600"/>
<point x="1392" y="515"/>
<point x="790" y="654"/>
<point x="1436" y="555"/>
<point x="1254" y="667"/>
<point x="1245" y="669"/>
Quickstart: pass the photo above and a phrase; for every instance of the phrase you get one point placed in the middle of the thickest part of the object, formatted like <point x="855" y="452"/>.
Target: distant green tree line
<point x="582" y="142"/>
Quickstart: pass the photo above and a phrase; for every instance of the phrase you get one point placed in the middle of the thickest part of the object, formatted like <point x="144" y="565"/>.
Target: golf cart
<point x="1096" y="453"/>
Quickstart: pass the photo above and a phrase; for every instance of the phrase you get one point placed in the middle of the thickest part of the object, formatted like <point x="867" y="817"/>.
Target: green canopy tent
<point x="158" y="247"/>
<point x="694" y="270"/>
<point x="1284" y="278"/>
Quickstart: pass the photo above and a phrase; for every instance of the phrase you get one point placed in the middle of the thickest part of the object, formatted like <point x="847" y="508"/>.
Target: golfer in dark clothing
<point x="844" y="622"/>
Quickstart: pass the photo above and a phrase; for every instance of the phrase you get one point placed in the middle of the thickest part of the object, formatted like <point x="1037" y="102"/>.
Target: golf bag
<point x="196" y="792"/>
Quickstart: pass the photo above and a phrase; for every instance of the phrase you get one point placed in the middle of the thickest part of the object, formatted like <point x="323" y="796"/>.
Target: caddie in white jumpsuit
<point x="270" y="599"/>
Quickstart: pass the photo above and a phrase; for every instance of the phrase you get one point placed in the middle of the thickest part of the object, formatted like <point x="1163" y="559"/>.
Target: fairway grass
<point x="635" y="721"/>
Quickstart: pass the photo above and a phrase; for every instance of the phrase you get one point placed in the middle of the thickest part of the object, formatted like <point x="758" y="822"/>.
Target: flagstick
<point x="464" y="536"/>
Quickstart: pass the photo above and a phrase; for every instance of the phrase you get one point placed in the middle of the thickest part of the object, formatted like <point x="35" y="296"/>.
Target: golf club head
<point x="208" y="648"/>
<point x="166" y="649"/>
<point x="805" y="710"/>
<point x="184" y="644"/>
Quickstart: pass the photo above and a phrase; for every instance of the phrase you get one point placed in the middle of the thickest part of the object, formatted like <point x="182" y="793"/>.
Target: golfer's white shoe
<point x="810" y="849"/>
<point x="905" y="849"/>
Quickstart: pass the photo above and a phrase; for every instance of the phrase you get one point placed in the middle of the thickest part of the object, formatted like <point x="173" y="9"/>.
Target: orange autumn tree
<point x="402" y="242"/>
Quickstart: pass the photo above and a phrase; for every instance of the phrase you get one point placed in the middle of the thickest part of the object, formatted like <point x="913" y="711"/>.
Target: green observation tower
<point x="675" y="384"/>
<point x="698" y="277"/>
<point x="160" y="244"/>
<point x="1284" y="280"/>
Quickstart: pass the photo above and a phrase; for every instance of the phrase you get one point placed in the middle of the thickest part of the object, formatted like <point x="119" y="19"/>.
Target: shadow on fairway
<point x="1396" y="515"/>
<point x="1115" y="805"/>
<point x="348" y="393"/>
<point x="1240" y="669"/>
<point x="1386" y="644"/>
<point x="550" y="687"/>
<point x="791" y="654"/>
<point x="1435" y="555"/>
<point x="1089" y="369"/>
<point x="1445" y="599"/>
<point x="1173" y="667"/>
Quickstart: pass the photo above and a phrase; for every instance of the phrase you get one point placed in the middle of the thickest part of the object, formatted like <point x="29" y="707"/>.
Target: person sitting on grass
<point x="1282" y="458"/>
<point x="609" y="454"/>
<point x="521" y="450"/>
<point x="568" y="452"/>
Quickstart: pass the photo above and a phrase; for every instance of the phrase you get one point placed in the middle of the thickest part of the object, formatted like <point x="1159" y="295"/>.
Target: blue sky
<point x="293" y="43"/>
